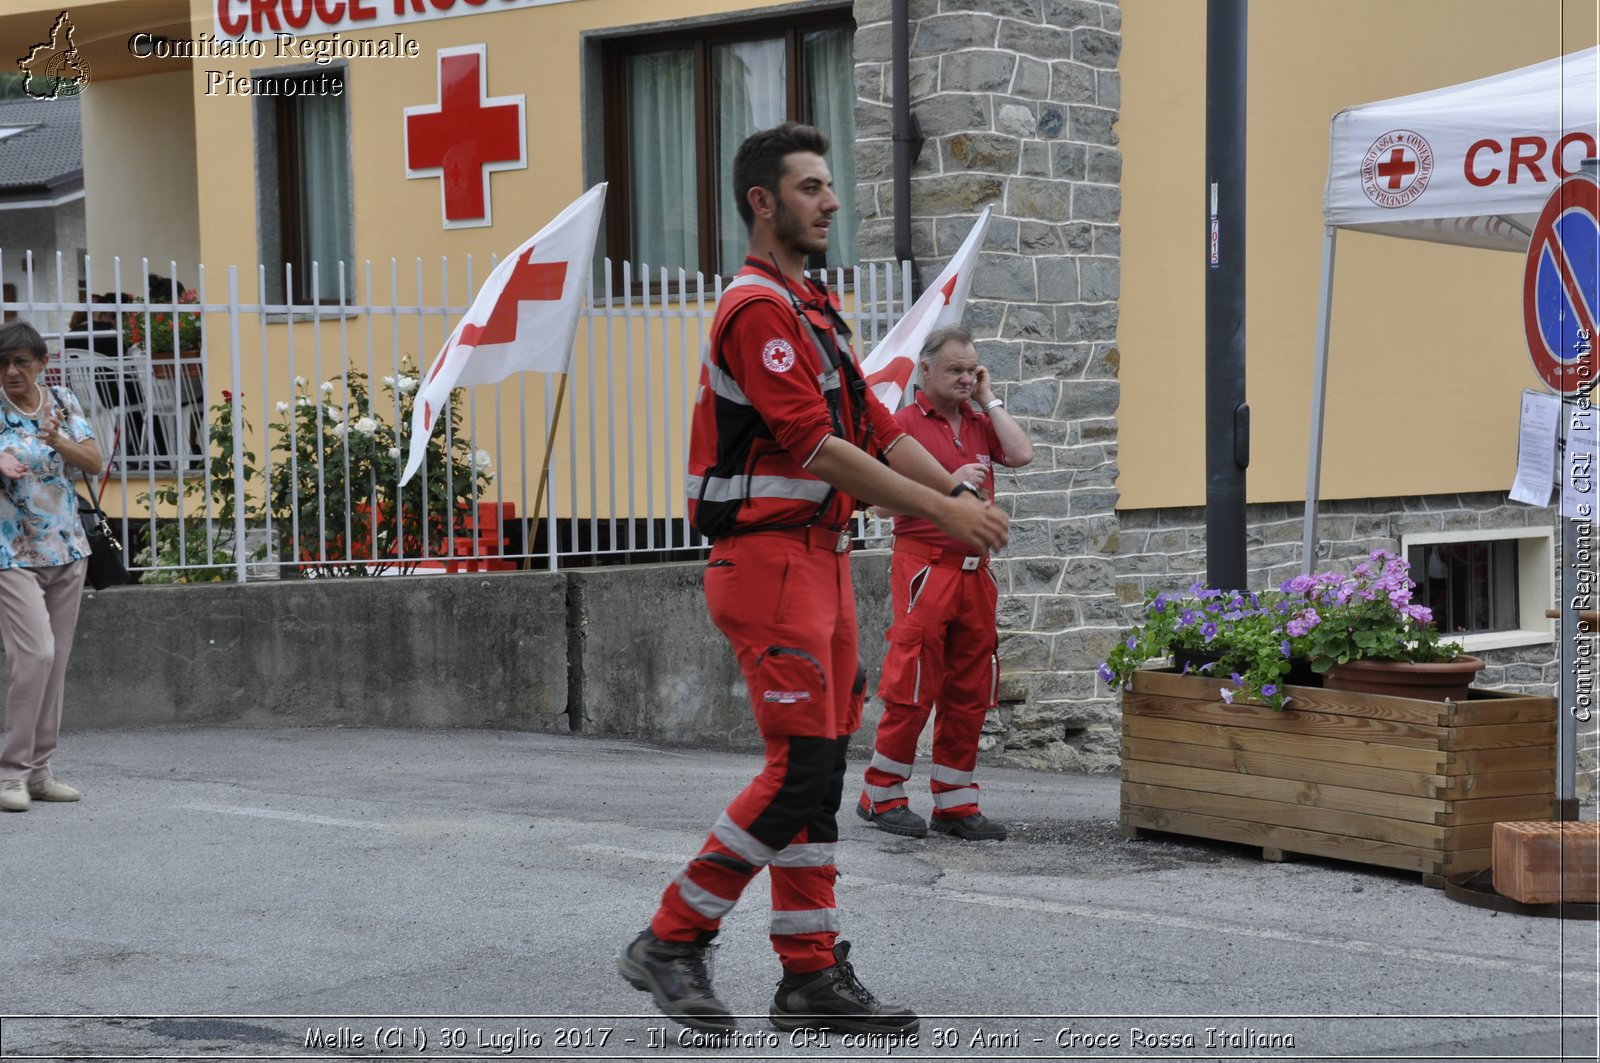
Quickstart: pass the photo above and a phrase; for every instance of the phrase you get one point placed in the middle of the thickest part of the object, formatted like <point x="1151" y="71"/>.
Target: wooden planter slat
<point x="1286" y="790"/>
<point x="1341" y="726"/>
<point x="1486" y="761"/>
<point x="1495" y="810"/>
<point x="1273" y="765"/>
<point x="1498" y="784"/>
<point x="1289" y="839"/>
<point x="1332" y="750"/>
<point x="1397" y="782"/>
<point x="1502" y="736"/>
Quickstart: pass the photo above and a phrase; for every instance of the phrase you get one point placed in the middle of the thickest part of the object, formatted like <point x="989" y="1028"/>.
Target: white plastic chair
<point x="86" y="374"/>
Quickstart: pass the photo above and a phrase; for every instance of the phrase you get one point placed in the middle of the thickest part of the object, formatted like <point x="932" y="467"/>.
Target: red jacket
<point x="769" y="396"/>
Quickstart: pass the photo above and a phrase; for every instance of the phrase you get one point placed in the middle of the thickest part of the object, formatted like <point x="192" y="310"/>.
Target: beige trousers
<point x="38" y="615"/>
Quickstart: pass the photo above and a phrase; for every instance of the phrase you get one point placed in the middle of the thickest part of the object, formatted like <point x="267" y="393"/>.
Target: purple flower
<point x="1160" y="602"/>
<point x="1269" y="690"/>
<point x="1187" y="665"/>
<point x="1187" y="618"/>
<point x="1284" y="646"/>
<point x="1208" y="631"/>
<point x="1227" y="695"/>
<point x="1106" y="674"/>
<point x="1132" y="643"/>
<point x="1238" y="680"/>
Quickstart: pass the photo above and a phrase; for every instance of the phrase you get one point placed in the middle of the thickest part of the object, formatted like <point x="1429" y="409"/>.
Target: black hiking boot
<point x="677" y="975"/>
<point x="835" y="999"/>
<point x="897" y="820"/>
<point x="974" y="828"/>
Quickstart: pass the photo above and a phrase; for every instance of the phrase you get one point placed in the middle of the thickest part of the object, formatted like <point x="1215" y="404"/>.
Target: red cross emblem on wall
<point x="465" y="137"/>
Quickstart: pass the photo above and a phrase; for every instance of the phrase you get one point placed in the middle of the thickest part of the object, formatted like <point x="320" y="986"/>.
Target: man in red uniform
<point x="942" y="641"/>
<point x="785" y="438"/>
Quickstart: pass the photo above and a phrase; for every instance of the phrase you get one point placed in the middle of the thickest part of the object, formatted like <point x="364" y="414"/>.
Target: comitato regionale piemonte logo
<point x="54" y="68"/>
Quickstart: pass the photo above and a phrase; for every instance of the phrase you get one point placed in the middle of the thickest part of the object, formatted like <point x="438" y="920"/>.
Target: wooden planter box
<point x="1396" y="782"/>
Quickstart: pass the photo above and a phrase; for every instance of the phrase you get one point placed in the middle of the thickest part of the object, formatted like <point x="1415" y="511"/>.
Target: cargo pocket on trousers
<point x="904" y="665"/>
<point x="790" y="693"/>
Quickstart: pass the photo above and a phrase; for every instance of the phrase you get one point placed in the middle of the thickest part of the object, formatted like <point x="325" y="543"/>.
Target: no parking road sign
<point x="1561" y="287"/>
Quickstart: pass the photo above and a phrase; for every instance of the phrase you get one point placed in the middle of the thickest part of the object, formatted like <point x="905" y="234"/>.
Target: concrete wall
<point x="632" y="648"/>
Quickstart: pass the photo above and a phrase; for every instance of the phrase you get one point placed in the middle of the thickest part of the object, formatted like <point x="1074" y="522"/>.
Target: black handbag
<point x="106" y="566"/>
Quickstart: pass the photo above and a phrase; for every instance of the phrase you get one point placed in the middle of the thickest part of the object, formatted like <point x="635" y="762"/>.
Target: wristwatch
<point x="964" y="488"/>
<point x="992" y="403"/>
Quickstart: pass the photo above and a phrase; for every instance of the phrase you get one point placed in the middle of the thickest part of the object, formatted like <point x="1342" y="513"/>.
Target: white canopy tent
<point x="1473" y="165"/>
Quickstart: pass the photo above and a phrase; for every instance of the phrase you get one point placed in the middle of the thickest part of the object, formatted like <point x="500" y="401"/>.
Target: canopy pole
<point x="1319" y="395"/>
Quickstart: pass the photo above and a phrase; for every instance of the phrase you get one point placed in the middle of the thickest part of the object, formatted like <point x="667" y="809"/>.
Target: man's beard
<point x="792" y="232"/>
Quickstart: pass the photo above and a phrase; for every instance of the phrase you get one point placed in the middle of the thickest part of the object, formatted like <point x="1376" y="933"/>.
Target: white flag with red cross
<point x="890" y="366"/>
<point x="523" y="319"/>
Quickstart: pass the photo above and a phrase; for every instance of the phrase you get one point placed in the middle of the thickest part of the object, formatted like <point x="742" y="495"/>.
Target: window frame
<point x="277" y="180"/>
<point x="701" y="39"/>
<point x="1536" y="583"/>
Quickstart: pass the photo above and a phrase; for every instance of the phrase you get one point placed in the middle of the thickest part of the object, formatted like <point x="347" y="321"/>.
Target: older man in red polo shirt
<point x="942" y="641"/>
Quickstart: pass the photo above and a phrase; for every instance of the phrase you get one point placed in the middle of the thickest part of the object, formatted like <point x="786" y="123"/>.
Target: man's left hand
<point x="982" y="393"/>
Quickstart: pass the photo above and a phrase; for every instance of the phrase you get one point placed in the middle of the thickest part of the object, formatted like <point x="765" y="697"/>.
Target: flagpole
<point x="544" y="467"/>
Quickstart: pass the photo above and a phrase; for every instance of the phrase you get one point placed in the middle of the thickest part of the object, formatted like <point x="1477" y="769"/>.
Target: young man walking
<point x="942" y="641"/>
<point x="785" y="439"/>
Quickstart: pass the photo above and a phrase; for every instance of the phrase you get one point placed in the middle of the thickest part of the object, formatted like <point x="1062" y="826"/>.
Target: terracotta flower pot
<point x="1433" y="681"/>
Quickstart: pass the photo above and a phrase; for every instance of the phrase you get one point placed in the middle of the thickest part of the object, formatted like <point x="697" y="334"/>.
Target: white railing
<point x="325" y="390"/>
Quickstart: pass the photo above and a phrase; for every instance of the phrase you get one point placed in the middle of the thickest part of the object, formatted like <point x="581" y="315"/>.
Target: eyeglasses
<point x="21" y="361"/>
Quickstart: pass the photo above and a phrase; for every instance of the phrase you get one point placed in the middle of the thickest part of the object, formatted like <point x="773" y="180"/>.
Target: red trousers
<point x="941" y="653"/>
<point x="785" y="602"/>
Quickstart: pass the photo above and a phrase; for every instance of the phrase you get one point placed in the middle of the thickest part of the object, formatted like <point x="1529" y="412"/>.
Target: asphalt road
<point x="248" y="894"/>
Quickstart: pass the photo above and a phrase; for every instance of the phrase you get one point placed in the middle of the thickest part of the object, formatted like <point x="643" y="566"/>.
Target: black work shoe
<point x="835" y="999"/>
<point x="974" y="828"/>
<point x="897" y="820"/>
<point x="676" y="974"/>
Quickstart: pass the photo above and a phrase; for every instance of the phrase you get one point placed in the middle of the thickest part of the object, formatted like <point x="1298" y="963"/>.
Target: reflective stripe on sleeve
<point x="812" y="921"/>
<point x="806" y="854"/>
<point x="701" y="899"/>
<point x="951" y="776"/>
<point x="741" y="842"/>
<point x="953" y="798"/>
<point x="893" y="767"/>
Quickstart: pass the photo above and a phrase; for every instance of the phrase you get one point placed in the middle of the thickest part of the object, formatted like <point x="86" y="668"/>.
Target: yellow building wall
<point x="535" y="52"/>
<point x="140" y="179"/>
<point x="1427" y="357"/>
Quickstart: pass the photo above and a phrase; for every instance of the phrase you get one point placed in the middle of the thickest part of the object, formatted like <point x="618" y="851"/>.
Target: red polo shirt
<point x="978" y="442"/>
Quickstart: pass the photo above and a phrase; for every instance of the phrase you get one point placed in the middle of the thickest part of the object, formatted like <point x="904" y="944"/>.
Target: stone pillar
<point x="1017" y="99"/>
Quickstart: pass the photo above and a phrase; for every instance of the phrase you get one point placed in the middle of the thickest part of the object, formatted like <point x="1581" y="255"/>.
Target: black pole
<point x="907" y="135"/>
<point x="1227" y="415"/>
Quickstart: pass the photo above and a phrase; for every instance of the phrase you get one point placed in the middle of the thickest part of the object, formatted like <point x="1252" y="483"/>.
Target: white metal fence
<point x="310" y="486"/>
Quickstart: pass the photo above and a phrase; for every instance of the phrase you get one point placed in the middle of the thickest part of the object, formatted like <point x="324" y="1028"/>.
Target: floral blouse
<point x="39" y="525"/>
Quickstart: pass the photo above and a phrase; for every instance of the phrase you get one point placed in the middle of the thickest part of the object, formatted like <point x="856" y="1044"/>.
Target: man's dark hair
<point x="941" y="336"/>
<point x="20" y="336"/>
<point x="759" y="161"/>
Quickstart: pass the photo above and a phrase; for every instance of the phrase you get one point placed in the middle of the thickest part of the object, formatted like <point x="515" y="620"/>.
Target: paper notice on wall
<point x="1578" y="488"/>
<point x="1536" y="448"/>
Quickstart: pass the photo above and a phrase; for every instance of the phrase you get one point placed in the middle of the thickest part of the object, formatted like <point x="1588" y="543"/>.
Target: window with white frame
<point x="1488" y="588"/>
<point x="303" y="187"/>
<point x="677" y="106"/>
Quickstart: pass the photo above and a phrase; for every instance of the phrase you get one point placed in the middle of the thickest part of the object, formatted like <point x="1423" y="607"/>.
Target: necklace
<point x="38" y="407"/>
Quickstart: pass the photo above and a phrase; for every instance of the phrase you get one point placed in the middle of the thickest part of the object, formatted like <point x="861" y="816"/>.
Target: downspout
<point x="907" y="136"/>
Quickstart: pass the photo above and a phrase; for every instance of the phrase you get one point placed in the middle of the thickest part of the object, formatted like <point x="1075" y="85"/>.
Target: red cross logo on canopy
<point x="465" y="136"/>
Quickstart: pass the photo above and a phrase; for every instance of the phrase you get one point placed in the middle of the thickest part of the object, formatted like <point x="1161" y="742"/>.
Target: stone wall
<point x="1017" y="99"/>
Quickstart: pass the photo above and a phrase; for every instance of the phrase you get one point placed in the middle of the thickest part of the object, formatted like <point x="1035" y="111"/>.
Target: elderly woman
<point x="42" y="560"/>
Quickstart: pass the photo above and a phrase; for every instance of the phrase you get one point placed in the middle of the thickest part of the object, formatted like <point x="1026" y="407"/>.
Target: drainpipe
<point x="1227" y="417"/>
<point x="908" y="139"/>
